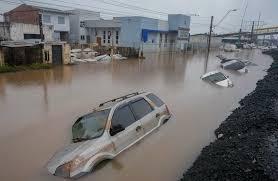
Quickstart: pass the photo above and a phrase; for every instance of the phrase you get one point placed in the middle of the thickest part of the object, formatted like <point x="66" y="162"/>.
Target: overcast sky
<point x="200" y="24"/>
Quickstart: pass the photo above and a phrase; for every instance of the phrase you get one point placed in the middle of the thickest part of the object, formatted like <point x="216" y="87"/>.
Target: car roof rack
<point x="121" y="98"/>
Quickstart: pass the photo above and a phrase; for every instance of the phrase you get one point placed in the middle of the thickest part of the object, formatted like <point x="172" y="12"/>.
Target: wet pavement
<point x="37" y="109"/>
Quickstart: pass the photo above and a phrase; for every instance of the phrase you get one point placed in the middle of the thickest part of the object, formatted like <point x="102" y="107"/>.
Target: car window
<point x="141" y="108"/>
<point x="158" y="102"/>
<point x="217" y="77"/>
<point x="122" y="118"/>
<point x="90" y="126"/>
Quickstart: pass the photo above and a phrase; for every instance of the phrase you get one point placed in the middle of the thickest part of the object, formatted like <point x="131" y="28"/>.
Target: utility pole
<point x="210" y="32"/>
<point x="209" y="41"/>
<point x="252" y="32"/>
<point x="240" y="30"/>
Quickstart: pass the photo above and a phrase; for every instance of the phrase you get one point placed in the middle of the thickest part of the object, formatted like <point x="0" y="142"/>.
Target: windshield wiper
<point x="75" y="140"/>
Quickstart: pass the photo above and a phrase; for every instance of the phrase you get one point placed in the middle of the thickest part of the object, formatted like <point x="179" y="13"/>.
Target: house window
<point x="109" y="36"/>
<point x="117" y="37"/>
<point x="82" y="37"/>
<point x="31" y="36"/>
<point x="46" y="18"/>
<point x="61" y="20"/>
<point x="104" y="36"/>
<point x="82" y="24"/>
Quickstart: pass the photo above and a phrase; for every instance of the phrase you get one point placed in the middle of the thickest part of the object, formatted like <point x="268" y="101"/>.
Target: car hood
<point x="67" y="154"/>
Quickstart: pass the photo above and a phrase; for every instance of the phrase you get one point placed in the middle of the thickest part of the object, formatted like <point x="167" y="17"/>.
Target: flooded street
<point x="38" y="108"/>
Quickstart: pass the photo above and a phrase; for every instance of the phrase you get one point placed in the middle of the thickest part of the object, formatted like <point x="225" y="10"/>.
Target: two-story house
<point x="78" y="32"/>
<point x="28" y="22"/>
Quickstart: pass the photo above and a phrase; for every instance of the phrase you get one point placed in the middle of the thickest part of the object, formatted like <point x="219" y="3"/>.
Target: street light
<point x="228" y="12"/>
<point x="210" y="33"/>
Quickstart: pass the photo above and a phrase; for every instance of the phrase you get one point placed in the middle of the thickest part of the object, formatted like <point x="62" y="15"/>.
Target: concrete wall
<point x="177" y="21"/>
<point x="163" y="25"/>
<point x="66" y="53"/>
<point x="48" y="33"/>
<point x="54" y="21"/>
<point x="74" y="28"/>
<point x="17" y="30"/>
<point x="47" y="50"/>
<point x="130" y="34"/>
<point x="77" y="16"/>
<point x="4" y="31"/>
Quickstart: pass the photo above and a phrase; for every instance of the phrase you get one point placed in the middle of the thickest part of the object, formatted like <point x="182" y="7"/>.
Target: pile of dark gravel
<point x="246" y="147"/>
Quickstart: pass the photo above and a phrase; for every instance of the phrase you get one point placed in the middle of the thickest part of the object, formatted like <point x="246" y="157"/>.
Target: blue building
<point x="140" y="32"/>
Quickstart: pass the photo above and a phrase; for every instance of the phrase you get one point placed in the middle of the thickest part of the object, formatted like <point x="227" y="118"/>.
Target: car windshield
<point x="218" y="77"/>
<point x="90" y="126"/>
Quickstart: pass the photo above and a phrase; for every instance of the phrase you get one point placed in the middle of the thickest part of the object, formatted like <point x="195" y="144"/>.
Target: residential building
<point x="143" y="33"/>
<point x="31" y="22"/>
<point x="78" y="32"/>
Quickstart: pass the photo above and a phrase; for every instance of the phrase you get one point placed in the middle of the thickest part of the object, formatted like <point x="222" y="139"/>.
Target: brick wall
<point x="23" y="14"/>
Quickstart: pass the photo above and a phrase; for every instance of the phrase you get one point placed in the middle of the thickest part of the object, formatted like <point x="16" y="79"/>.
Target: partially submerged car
<point x="218" y="78"/>
<point x="224" y="59"/>
<point x="108" y="130"/>
<point x="236" y="65"/>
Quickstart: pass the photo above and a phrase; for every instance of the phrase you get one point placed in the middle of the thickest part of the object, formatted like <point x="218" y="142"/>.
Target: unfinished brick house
<point x="29" y="22"/>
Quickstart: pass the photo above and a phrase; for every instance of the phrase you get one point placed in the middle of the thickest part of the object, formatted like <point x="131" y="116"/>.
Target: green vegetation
<point x="34" y="66"/>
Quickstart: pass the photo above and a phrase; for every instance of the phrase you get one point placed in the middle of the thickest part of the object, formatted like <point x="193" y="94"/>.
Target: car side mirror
<point x="115" y="130"/>
<point x="228" y="76"/>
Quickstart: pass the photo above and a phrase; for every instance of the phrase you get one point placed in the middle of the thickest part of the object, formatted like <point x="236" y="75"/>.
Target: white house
<point x="143" y="33"/>
<point x="77" y="18"/>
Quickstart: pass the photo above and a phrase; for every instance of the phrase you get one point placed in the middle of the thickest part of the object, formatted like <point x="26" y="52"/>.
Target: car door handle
<point x="138" y="128"/>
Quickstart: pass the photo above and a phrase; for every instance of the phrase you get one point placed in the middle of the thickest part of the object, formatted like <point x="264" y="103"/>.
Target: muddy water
<point x="37" y="109"/>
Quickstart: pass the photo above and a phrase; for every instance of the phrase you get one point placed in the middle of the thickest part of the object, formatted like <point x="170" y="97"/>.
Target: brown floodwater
<point x="37" y="109"/>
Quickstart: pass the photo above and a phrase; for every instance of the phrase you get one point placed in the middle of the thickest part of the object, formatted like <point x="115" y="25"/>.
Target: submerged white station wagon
<point x="107" y="131"/>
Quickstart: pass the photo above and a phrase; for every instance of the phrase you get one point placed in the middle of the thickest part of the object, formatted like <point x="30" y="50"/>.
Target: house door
<point x="99" y="41"/>
<point x="57" y="58"/>
<point x="88" y="38"/>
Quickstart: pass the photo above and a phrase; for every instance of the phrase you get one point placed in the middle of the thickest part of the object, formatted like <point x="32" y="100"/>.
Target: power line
<point x="79" y="4"/>
<point x="124" y="5"/>
<point x="65" y="6"/>
<point x="111" y="12"/>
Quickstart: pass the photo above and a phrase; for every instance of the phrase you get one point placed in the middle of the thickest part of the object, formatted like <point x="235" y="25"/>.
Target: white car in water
<point x="235" y="65"/>
<point x="108" y="130"/>
<point x="218" y="78"/>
